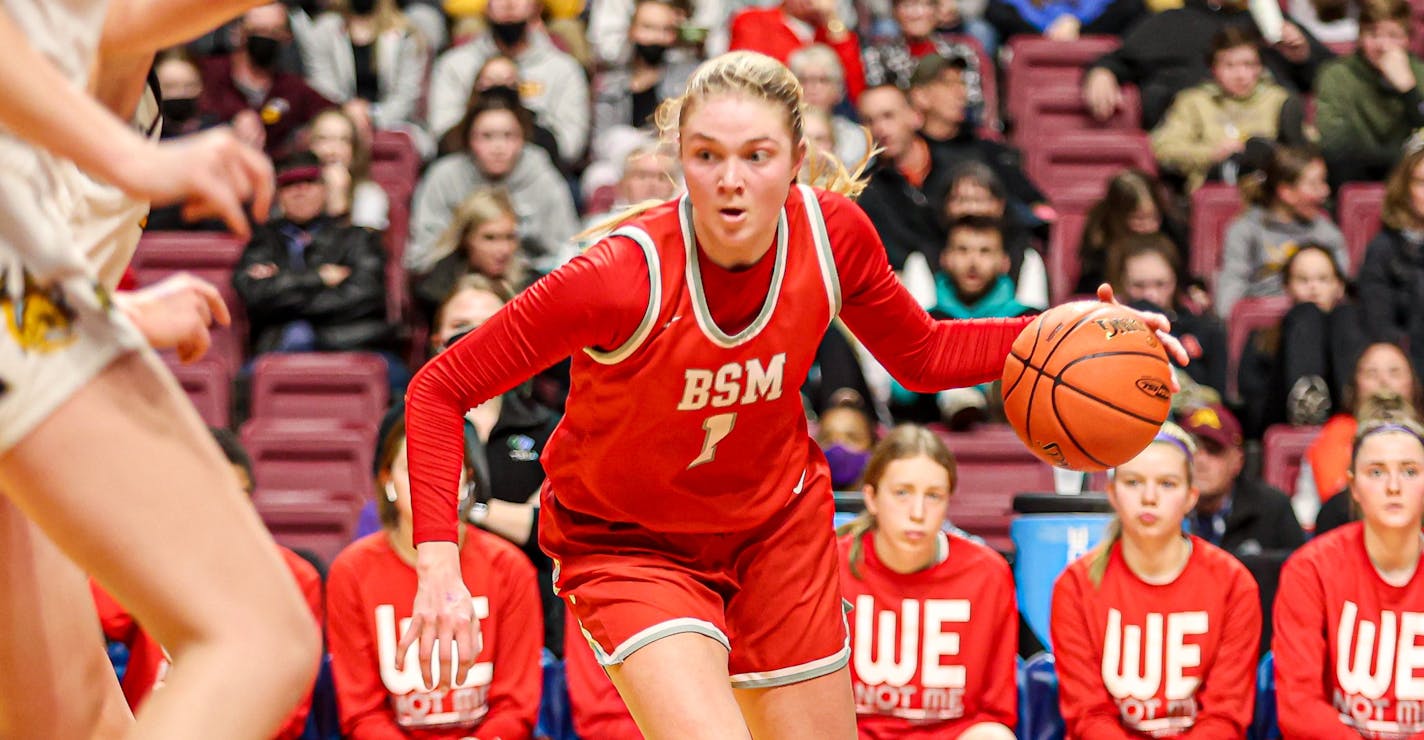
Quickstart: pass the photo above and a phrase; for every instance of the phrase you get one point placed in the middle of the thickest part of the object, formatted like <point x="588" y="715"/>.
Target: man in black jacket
<point x="1242" y="515"/>
<point x="1166" y="53"/>
<point x="309" y="282"/>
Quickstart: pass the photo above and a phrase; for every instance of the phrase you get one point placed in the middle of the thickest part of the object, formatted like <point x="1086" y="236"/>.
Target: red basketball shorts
<point x="769" y="594"/>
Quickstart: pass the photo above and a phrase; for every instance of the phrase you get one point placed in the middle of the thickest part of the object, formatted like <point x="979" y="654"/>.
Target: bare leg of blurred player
<point x="127" y="481"/>
<point x="58" y="649"/>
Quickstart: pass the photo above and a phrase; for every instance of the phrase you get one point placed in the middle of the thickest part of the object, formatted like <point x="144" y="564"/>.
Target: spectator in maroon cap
<point x="1240" y="514"/>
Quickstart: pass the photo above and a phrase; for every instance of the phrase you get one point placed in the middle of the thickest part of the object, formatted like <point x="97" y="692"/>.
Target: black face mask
<point x="651" y="54"/>
<point x="263" y="51"/>
<point x="363" y="7"/>
<point x="179" y="110"/>
<point x="508" y="33"/>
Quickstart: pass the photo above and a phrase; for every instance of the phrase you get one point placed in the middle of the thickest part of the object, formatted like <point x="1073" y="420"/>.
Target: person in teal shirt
<point x="973" y="283"/>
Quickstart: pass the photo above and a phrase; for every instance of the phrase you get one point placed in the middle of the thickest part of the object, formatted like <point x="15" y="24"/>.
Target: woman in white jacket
<point x="367" y="56"/>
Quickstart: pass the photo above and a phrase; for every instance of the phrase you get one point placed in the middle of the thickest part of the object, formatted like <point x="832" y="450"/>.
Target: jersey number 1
<point x="717" y="428"/>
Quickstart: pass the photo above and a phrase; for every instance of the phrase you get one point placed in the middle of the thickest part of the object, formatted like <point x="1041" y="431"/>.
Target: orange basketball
<point x="1086" y="386"/>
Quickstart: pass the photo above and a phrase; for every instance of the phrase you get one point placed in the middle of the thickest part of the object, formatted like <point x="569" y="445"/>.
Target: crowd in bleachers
<point x="1253" y="173"/>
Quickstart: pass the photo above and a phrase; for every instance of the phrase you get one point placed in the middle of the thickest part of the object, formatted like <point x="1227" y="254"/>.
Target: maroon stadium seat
<point x="1082" y="162"/>
<point x="993" y="465"/>
<point x="210" y="256"/>
<point x="208" y="383"/>
<point x="1285" y="445"/>
<point x="1248" y="315"/>
<point x="1360" y="204"/>
<point x="308" y="520"/>
<point x="1051" y="111"/>
<point x="1037" y="63"/>
<point x="1064" y="239"/>
<point x="310" y="455"/>
<point x="345" y="386"/>
<point x="395" y="164"/>
<point x="1214" y="206"/>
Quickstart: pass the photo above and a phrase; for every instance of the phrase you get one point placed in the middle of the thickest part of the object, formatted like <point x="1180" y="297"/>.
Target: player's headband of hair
<point x="1175" y="441"/>
<point x="1369" y="430"/>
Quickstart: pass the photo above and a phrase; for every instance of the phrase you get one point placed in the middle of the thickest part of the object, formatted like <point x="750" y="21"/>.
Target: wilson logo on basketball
<point x="1117" y="326"/>
<point x="1154" y="388"/>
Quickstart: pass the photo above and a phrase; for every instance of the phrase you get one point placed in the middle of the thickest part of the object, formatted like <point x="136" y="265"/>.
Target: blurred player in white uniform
<point x="100" y="453"/>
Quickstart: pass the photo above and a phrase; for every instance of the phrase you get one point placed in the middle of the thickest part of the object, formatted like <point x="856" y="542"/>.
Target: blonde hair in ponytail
<point x="1169" y="434"/>
<point x="762" y="77"/>
<point x="902" y="443"/>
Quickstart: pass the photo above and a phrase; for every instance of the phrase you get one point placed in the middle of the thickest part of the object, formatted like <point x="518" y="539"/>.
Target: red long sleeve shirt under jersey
<point x="148" y="663"/>
<point x="598" y="300"/>
<point x="932" y="652"/>
<point x="771" y="32"/>
<point x="1175" y="660"/>
<point x="1349" y="658"/>
<point x="369" y="593"/>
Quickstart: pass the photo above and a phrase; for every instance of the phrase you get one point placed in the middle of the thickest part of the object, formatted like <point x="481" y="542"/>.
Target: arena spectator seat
<point x="303" y="454"/>
<point x="344" y="386"/>
<point x="1283" y="448"/>
<point x="316" y="521"/>
<point x="992" y="466"/>
<point x="1054" y="110"/>
<point x="1038" y="697"/>
<point x="1359" y="205"/>
<point x="395" y="163"/>
<point x="210" y="256"/>
<point x="1248" y="315"/>
<point x="1065" y="236"/>
<point x="1214" y="206"/>
<point x="208" y="383"/>
<point x="1037" y="64"/>
<point x="1084" y="161"/>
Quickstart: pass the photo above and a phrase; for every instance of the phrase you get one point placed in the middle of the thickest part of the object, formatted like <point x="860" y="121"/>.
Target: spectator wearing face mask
<point x="846" y="433"/>
<point x="180" y="84"/>
<point x="651" y="71"/>
<point x="265" y="105"/>
<point x="499" y="76"/>
<point x="553" y="84"/>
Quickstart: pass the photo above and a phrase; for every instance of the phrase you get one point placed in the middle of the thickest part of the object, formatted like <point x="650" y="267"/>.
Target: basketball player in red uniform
<point x="1350" y="610"/>
<point x="1155" y="633"/>
<point x="934" y="630"/>
<point x="686" y="506"/>
<point x="78" y="383"/>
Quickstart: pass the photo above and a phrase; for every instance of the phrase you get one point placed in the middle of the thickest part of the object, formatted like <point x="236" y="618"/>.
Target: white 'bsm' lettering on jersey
<point x="1363" y="697"/>
<point x="884" y="671"/>
<point x="1134" y="674"/>
<point x="413" y="705"/>
<point x="732" y="383"/>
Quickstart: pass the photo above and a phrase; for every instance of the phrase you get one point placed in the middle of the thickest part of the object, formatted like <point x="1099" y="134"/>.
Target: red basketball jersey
<point x="721" y="433"/>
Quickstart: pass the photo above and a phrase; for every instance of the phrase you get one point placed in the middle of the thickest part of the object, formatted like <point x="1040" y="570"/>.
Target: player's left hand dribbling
<point x="175" y="313"/>
<point x="1158" y="323"/>
<point x="442" y="615"/>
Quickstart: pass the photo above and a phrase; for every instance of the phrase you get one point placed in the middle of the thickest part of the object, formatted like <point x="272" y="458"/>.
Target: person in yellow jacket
<point x="1208" y="125"/>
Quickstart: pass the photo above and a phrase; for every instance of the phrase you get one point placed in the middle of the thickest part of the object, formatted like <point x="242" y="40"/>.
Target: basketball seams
<point x="1063" y="423"/>
<point x="1033" y="392"/>
<point x="1058" y="380"/>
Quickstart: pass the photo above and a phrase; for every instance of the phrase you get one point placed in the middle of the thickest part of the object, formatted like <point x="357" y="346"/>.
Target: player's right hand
<point x="443" y="615"/>
<point x="212" y="174"/>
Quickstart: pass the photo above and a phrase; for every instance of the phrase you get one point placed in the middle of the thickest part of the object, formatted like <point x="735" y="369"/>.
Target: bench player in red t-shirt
<point x="686" y="506"/>
<point x="934" y="629"/>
